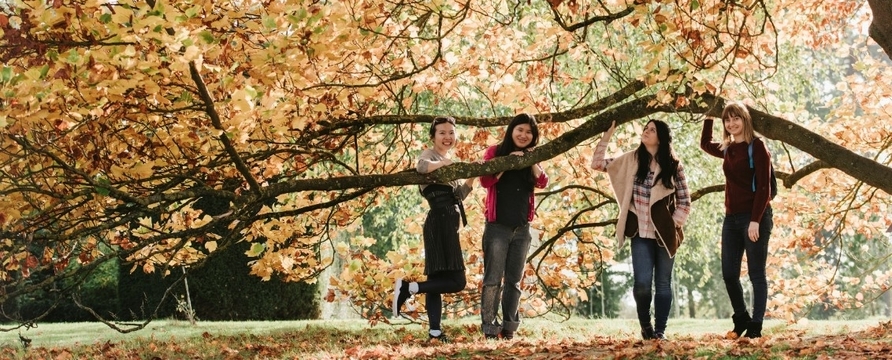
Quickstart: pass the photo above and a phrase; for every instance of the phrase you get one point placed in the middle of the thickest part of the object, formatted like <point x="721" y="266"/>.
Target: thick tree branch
<point x="772" y="127"/>
<point x="791" y="179"/>
<point x="881" y="27"/>
<point x="624" y="113"/>
<point x="578" y="113"/>
<point x="610" y="17"/>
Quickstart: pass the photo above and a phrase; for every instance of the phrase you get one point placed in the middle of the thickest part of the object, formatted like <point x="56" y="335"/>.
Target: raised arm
<point x="706" y="143"/>
<point x="598" y="161"/>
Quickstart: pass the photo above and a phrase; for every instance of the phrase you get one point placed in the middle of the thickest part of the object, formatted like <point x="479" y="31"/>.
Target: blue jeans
<point x="735" y="242"/>
<point x="652" y="268"/>
<point x="504" y="257"/>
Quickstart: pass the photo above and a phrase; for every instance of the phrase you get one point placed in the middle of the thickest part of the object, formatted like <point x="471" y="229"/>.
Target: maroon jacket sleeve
<point x="762" y="174"/>
<point x="706" y="143"/>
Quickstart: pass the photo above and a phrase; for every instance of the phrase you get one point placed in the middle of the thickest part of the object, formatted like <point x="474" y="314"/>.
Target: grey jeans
<point x="504" y="256"/>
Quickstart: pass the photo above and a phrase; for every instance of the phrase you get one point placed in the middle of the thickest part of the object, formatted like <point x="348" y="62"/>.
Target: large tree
<point x="116" y="117"/>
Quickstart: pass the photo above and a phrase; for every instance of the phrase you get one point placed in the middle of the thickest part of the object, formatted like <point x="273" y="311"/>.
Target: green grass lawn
<point x="167" y="339"/>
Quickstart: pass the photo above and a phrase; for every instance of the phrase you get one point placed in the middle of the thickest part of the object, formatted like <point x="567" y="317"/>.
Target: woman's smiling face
<point x="444" y="137"/>
<point x="522" y="136"/>
<point x="734" y="126"/>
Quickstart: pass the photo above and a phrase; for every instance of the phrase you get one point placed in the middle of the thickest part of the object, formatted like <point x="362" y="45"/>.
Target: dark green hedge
<point x="97" y="292"/>
<point x="221" y="289"/>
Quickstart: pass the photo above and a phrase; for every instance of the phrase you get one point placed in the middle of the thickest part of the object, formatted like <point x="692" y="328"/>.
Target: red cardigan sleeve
<point x="488" y="181"/>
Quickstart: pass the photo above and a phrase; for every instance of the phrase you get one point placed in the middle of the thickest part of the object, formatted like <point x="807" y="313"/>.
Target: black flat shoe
<point x="400" y="295"/>
<point x="442" y="338"/>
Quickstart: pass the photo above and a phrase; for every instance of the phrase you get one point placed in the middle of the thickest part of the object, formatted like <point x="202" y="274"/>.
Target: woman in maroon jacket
<point x="506" y="237"/>
<point x="748" y="215"/>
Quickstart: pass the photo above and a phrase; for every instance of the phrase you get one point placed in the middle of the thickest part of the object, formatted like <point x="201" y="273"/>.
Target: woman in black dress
<point x="444" y="264"/>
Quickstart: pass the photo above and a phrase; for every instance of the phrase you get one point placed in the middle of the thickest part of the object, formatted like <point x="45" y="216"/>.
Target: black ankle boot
<point x="647" y="333"/>
<point x="754" y="330"/>
<point x="741" y="323"/>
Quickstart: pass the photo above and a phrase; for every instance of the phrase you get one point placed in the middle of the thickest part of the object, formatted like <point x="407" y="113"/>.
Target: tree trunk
<point x="692" y="311"/>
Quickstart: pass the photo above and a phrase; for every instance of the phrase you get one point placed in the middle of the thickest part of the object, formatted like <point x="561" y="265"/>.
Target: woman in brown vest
<point x="654" y="203"/>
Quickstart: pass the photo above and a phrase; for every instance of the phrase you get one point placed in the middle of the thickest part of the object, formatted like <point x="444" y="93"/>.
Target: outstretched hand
<point x="609" y="132"/>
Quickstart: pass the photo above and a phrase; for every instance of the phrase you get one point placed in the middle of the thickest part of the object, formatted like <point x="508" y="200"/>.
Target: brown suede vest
<point x="668" y="235"/>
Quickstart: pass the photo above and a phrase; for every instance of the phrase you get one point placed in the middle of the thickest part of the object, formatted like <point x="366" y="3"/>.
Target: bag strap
<point x="749" y="150"/>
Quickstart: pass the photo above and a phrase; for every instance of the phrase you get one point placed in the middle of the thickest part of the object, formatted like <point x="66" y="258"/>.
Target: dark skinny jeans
<point x="736" y="242"/>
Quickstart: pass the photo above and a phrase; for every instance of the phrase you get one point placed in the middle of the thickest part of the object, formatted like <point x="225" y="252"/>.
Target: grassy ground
<point x="537" y="338"/>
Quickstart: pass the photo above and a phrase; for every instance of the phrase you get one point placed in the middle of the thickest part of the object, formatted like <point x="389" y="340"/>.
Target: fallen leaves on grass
<point x="467" y="343"/>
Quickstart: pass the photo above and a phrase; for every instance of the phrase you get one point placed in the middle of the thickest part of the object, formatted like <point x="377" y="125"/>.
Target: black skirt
<point x="442" y="249"/>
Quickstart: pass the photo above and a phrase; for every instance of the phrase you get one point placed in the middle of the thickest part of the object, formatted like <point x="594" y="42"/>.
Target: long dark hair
<point x="507" y="144"/>
<point x="665" y="157"/>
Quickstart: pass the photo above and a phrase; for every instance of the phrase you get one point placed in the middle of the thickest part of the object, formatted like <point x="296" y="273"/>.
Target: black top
<point x="439" y="196"/>
<point x="513" y="197"/>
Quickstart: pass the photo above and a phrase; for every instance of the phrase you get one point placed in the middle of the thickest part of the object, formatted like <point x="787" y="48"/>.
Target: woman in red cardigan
<point x="506" y="237"/>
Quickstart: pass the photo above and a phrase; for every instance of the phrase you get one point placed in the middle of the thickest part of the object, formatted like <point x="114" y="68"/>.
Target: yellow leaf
<point x="287" y="263"/>
<point x="241" y="101"/>
<point x="211" y="246"/>
<point x="146" y="222"/>
<point x="144" y="170"/>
